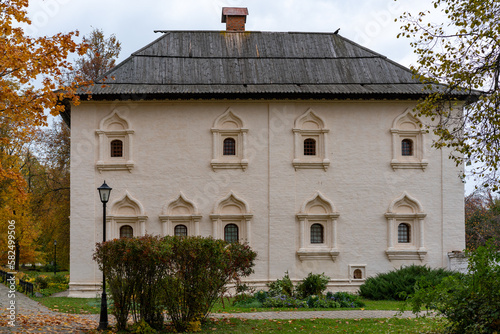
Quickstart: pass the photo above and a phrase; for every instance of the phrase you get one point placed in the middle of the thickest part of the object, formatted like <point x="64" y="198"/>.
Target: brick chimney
<point x="235" y="18"/>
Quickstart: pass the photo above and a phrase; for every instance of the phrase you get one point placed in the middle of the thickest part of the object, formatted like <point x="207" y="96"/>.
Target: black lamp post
<point x="55" y="257"/>
<point x="104" y="192"/>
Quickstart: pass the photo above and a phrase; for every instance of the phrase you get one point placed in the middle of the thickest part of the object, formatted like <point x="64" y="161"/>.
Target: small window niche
<point x="357" y="272"/>
<point x="310" y="136"/>
<point x="115" y="144"/>
<point x="406" y="224"/>
<point x="408" y="150"/>
<point x="180" y="217"/>
<point x="317" y="229"/>
<point x="126" y="218"/>
<point x="231" y="220"/>
<point x="229" y="142"/>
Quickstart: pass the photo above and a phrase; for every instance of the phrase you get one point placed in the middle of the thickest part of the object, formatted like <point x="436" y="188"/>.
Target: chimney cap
<point x="234" y="11"/>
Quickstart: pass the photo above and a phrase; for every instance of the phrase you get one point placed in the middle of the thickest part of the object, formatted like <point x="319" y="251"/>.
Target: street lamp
<point x="104" y="192"/>
<point x="55" y="257"/>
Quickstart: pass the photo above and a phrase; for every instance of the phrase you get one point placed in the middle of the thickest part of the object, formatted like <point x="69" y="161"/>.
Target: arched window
<point x="403" y="233"/>
<point x="358" y="274"/>
<point x="231" y="233"/>
<point x="126" y="231"/>
<point x="317" y="234"/>
<point x="180" y="231"/>
<point x="309" y="146"/>
<point x="116" y="148"/>
<point x="406" y="147"/>
<point x="229" y="146"/>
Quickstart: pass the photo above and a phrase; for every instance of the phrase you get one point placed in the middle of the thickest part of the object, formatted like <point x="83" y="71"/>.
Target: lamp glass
<point x="104" y="192"/>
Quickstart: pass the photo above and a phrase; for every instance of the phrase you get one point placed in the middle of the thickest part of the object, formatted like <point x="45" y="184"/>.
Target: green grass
<point x="393" y="325"/>
<point x="92" y="305"/>
<point x="227" y="307"/>
<point x="33" y="273"/>
<point x="71" y="305"/>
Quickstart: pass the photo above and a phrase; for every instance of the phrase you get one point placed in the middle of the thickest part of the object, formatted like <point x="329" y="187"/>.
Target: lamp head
<point x="104" y="192"/>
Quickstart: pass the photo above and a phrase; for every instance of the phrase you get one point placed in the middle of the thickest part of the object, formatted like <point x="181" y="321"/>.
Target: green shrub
<point x="471" y="302"/>
<point x="200" y="270"/>
<point x="280" y="287"/>
<point x="284" y="301"/>
<point x="261" y="296"/>
<point x="142" y="327"/>
<point x="61" y="279"/>
<point x="313" y="284"/>
<point x="42" y="282"/>
<point x="125" y="263"/>
<point x="400" y="283"/>
<point x="345" y="299"/>
<point x="184" y="276"/>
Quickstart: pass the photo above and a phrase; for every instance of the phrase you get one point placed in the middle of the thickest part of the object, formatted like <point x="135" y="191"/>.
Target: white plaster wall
<point x="172" y="150"/>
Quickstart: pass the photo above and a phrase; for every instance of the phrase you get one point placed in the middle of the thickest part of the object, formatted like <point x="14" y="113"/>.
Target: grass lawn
<point x="71" y="305"/>
<point x="393" y="325"/>
<point x="92" y="306"/>
<point x="227" y="307"/>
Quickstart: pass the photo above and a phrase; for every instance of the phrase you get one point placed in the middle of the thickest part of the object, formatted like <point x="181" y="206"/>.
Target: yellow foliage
<point x="25" y="59"/>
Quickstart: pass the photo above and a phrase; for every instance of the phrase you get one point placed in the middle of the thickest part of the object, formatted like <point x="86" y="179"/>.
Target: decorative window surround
<point x="306" y="126"/>
<point x="114" y="127"/>
<point x="180" y="211"/>
<point x="226" y="126"/>
<point x="127" y="211"/>
<point x="408" y="210"/>
<point x="318" y="210"/>
<point x="232" y="210"/>
<point x="406" y="126"/>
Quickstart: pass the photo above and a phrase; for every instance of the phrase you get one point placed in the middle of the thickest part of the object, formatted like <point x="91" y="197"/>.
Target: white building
<point x="304" y="145"/>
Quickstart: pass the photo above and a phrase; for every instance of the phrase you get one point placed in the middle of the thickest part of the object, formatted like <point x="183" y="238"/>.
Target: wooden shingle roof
<point x="219" y="64"/>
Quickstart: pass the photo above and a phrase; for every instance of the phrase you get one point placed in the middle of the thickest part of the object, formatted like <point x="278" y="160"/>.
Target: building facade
<point x="304" y="145"/>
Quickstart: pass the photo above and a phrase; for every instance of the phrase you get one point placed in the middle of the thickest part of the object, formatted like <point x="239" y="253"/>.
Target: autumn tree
<point x="100" y="56"/>
<point x="464" y="54"/>
<point x="23" y="60"/>
<point x="482" y="219"/>
<point x="50" y="192"/>
<point x="30" y="84"/>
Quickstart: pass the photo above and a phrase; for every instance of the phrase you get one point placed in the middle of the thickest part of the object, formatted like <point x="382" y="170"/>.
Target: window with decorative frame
<point x="126" y="218"/>
<point x="115" y="144"/>
<point x="317" y="229"/>
<point x="408" y="149"/>
<point x="406" y="224"/>
<point x="232" y="215"/>
<point x="229" y="142"/>
<point x="179" y="213"/>
<point x="310" y="137"/>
